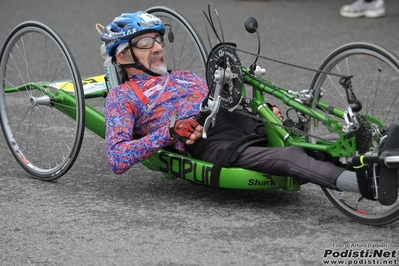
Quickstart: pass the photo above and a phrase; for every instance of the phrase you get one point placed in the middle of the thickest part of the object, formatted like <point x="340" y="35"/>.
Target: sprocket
<point x="224" y="57"/>
<point x="364" y="135"/>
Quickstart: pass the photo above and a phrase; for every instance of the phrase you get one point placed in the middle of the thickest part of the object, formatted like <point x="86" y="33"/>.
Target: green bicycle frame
<point x="279" y="136"/>
<point x="173" y="164"/>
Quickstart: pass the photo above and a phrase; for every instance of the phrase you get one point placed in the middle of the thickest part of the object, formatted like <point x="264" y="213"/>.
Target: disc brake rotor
<point x="223" y="56"/>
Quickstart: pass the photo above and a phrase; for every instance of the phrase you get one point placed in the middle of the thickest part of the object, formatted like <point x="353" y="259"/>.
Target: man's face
<point x="153" y="58"/>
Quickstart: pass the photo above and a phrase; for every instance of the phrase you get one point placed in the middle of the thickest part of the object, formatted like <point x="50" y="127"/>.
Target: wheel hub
<point x="42" y="100"/>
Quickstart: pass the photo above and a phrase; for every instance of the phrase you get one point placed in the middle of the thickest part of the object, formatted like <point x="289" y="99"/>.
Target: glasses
<point x="147" y="42"/>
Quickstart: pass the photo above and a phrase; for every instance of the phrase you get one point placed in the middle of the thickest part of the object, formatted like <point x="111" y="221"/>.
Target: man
<point x="152" y="99"/>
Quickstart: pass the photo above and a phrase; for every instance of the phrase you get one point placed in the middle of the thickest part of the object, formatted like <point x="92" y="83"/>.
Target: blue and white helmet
<point x="128" y="26"/>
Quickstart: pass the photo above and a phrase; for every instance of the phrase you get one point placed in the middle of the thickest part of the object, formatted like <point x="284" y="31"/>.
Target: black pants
<point x="283" y="161"/>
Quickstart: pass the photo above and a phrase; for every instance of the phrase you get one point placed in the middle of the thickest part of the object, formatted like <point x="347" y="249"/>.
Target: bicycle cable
<point x="221" y="40"/>
<point x="289" y="129"/>
<point x="248" y="113"/>
<point x="290" y="64"/>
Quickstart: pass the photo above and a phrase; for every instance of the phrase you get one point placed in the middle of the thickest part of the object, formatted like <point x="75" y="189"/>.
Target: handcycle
<point x="44" y="113"/>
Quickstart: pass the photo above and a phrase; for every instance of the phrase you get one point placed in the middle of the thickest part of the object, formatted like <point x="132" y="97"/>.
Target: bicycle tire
<point x="375" y="82"/>
<point x="44" y="141"/>
<point x="186" y="51"/>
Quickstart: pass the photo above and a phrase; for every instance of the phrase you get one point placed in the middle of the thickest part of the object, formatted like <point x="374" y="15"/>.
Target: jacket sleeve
<point x="122" y="150"/>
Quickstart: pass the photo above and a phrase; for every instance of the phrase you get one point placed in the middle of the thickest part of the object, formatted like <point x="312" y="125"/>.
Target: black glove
<point x="201" y="116"/>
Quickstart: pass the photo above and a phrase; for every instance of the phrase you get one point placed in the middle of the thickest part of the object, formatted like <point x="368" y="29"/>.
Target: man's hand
<point x="186" y="130"/>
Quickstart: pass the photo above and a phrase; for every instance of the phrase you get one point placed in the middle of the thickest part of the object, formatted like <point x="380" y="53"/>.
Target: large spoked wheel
<point x="184" y="48"/>
<point x="43" y="132"/>
<point x="376" y="84"/>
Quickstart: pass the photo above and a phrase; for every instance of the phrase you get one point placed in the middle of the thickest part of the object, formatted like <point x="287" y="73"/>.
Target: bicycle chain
<point x="289" y="64"/>
<point x="288" y="128"/>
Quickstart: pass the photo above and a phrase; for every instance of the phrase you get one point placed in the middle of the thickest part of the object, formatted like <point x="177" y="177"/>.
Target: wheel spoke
<point x="375" y="83"/>
<point x="187" y="51"/>
<point x="44" y="140"/>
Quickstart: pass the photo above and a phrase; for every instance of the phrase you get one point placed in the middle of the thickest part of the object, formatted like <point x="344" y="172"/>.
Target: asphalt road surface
<point x="92" y="217"/>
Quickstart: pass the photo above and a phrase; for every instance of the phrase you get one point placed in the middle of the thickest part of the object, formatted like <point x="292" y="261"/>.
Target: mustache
<point x="159" y="69"/>
<point x="154" y="57"/>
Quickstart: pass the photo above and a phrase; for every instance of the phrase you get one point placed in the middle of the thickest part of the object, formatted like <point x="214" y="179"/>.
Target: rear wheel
<point x="184" y="48"/>
<point x="376" y="84"/>
<point x="35" y="63"/>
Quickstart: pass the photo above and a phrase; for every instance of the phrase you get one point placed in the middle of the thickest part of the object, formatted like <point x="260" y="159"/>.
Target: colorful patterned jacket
<point x="128" y="115"/>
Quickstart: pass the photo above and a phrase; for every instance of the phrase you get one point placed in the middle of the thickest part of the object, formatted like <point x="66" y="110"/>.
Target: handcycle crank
<point x="213" y="107"/>
<point x="224" y="78"/>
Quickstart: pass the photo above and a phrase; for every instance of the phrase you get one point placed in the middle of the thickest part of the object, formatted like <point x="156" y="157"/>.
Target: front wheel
<point x="43" y="132"/>
<point x="375" y="83"/>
